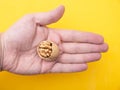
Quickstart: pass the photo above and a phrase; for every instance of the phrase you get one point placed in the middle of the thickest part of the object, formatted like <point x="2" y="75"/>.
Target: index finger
<point x="78" y="36"/>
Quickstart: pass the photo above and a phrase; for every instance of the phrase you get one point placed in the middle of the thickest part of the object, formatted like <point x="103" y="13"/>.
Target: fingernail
<point x="105" y="47"/>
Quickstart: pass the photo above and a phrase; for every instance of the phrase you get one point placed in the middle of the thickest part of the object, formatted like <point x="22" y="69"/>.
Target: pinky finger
<point x="61" y="68"/>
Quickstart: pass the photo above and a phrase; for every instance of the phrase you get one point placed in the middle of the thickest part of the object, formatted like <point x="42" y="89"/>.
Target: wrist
<point x="1" y="53"/>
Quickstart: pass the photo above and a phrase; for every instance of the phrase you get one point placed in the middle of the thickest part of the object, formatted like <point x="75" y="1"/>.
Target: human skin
<point x="20" y="41"/>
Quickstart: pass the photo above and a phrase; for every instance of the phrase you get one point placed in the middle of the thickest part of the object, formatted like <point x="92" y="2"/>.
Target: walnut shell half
<point x="48" y="50"/>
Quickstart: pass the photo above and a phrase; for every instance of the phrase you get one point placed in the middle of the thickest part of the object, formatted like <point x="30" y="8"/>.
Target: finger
<point x="79" y="58"/>
<point x="49" y="17"/>
<point x="76" y="36"/>
<point x="83" y="48"/>
<point x="68" y="68"/>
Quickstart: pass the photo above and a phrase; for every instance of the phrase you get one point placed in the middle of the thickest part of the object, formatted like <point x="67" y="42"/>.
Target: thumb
<point x="49" y="17"/>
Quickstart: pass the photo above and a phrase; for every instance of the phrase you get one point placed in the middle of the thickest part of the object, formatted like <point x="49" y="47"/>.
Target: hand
<point x="21" y="40"/>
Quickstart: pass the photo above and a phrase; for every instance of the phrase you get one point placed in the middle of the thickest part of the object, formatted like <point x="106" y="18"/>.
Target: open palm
<point x="21" y="40"/>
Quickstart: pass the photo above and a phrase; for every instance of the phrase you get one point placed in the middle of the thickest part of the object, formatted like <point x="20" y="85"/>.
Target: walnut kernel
<point x="48" y="50"/>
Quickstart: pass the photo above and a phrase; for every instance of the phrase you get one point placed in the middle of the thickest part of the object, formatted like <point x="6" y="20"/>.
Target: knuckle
<point x="100" y="39"/>
<point x="76" y="47"/>
<point x="83" y="59"/>
<point x="52" y="18"/>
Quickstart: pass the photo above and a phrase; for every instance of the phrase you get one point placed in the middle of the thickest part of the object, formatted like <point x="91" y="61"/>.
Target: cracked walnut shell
<point x="48" y="50"/>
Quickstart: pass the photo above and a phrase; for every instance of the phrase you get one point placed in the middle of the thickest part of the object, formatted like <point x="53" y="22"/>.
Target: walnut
<point x="48" y="50"/>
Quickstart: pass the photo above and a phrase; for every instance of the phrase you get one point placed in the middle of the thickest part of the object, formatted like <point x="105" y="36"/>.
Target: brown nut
<point x="48" y="50"/>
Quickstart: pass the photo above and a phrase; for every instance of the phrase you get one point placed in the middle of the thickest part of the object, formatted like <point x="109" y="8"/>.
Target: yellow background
<point x="99" y="16"/>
